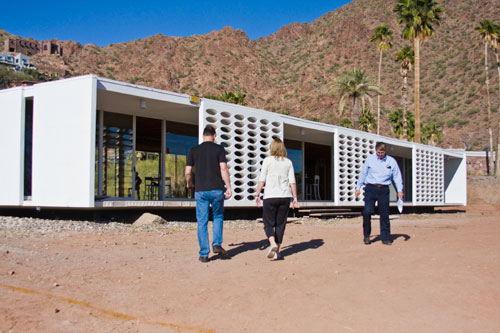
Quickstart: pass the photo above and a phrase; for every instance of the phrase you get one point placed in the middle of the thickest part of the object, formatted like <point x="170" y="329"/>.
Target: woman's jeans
<point x="203" y="201"/>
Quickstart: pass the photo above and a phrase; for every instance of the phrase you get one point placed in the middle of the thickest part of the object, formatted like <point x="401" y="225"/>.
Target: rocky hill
<point x="292" y="71"/>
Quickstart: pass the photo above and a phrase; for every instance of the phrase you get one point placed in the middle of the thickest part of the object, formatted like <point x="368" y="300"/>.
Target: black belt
<point x="378" y="185"/>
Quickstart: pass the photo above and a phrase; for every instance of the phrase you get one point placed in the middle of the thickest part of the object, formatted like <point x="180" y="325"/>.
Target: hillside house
<point x="75" y="143"/>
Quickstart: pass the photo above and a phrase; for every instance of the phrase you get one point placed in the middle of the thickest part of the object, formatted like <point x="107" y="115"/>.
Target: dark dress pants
<point x="274" y="215"/>
<point x="381" y="195"/>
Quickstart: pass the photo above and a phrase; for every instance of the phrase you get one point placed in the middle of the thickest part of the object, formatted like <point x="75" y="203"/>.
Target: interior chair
<point x="315" y="188"/>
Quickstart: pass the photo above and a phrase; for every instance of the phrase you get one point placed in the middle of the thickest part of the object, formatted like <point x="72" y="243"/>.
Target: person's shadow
<point x="263" y="244"/>
<point x="393" y="237"/>
<point x="299" y="247"/>
<point x="247" y="246"/>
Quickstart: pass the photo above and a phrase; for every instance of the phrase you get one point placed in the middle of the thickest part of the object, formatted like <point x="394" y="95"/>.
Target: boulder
<point x="148" y="219"/>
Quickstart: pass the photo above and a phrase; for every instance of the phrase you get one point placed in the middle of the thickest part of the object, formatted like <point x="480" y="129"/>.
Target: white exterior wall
<point x="64" y="125"/>
<point x="456" y="180"/>
<point x="12" y="146"/>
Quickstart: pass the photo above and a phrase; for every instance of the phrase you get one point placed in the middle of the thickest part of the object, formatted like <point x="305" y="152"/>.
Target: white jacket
<point x="277" y="174"/>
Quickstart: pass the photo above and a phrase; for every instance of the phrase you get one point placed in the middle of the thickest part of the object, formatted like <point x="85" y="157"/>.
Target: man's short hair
<point x="380" y="146"/>
<point x="209" y="131"/>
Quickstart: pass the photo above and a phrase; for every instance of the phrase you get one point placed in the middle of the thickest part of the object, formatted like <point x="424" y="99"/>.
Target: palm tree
<point x="406" y="58"/>
<point x="496" y="46"/>
<point x="346" y="122"/>
<point x="383" y="37"/>
<point x="418" y="17"/>
<point x="356" y="85"/>
<point x="432" y="134"/>
<point x="367" y="122"/>
<point x="229" y="97"/>
<point x="396" y="121"/>
<point x="487" y="31"/>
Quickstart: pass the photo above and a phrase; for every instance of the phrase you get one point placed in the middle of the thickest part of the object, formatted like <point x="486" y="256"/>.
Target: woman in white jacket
<point x="278" y="176"/>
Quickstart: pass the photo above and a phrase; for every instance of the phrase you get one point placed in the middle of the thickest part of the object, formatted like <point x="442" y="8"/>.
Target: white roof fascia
<point x="142" y="91"/>
<point x="8" y="90"/>
<point x="455" y="154"/>
<point x="290" y="120"/>
<point x="242" y="108"/>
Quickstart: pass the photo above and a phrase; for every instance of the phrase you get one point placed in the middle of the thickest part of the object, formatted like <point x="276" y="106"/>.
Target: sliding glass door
<point x="117" y="155"/>
<point x="148" y="158"/>
<point x="179" y="139"/>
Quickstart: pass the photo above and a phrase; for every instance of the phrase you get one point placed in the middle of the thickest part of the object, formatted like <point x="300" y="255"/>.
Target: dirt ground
<point x="441" y="275"/>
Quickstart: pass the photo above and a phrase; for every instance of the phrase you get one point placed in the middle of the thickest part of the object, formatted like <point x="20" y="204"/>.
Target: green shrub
<point x="473" y="111"/>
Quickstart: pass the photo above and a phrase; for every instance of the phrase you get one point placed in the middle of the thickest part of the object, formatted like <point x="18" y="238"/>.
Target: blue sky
<point x="105" y="22"/>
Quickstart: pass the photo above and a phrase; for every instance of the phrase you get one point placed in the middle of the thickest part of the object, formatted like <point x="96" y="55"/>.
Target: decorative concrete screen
<point x="353" y="149"/>
<point x="429" y="174"/>
<point x="246" y="137"/>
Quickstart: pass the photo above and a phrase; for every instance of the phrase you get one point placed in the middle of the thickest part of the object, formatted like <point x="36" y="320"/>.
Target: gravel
<point x="28" y="226"/>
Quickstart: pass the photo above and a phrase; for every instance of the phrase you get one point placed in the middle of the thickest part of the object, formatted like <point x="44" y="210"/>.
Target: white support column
<point x="201" y="121"/>
<point x="332" y="171"/>
<point x="414" y="175"/>
<point x="335" y="167"/>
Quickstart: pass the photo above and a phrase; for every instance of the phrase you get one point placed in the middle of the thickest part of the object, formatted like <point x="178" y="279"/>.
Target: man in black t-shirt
<point x="209" y="162"/>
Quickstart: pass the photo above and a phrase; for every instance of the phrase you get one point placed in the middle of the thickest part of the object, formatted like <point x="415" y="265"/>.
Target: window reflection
<point x="148" y="158"/>
<point x="117" y="155"/>
<point x="294" y="151"/>
<point x="180" y="138"/>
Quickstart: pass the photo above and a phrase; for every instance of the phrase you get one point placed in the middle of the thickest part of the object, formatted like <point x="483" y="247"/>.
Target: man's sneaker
<point x="387" y="242"/>
<point x="366" y="240"/>
<point x="219" y="250"/>
<point x="203" y="259"/>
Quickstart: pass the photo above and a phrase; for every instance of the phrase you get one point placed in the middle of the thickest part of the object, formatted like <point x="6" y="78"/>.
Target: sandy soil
<point x="441" y="275"/>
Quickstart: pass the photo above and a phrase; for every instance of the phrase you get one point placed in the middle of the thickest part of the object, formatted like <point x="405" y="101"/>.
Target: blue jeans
<point x="203" y="201"/>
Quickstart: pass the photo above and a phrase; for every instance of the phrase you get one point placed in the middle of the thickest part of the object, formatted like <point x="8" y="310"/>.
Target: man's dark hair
<point x="209" y="131"/>
<point x="380" y="146"/>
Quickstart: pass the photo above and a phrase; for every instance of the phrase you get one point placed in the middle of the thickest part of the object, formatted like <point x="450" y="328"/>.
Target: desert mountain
<point x="293" y="70"/>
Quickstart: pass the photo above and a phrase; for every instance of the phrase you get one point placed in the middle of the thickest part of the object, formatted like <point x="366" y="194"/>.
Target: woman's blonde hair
<point x="278" y="148"/>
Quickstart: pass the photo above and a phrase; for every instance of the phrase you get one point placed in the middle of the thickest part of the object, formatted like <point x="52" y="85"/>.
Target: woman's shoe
<point x="272" y="252"/>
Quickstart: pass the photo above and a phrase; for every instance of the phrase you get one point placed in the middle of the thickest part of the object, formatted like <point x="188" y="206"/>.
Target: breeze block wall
<point x="429" y="176"/>
<point x="246" y="135"/>
<point x="353" y="148"/>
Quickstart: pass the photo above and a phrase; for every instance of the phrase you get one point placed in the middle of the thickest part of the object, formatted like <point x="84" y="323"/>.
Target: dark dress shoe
<point x="387" y="242"/>
<point x="366" y="240"/>
<point x="219" y="250"/>
<point x="204" y="259"/>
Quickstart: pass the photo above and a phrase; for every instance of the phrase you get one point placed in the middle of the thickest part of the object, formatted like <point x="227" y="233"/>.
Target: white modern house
<point x="18" y="61"/>
<point x="83" y="142"/>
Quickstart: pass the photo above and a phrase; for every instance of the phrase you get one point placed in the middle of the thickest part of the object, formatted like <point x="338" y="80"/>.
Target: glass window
<point x="28" y="142"/>
<point x="148" y="159"/>
<point x="294" y="151"/>
<point x="180" y="138"/>
<point x="117" y="155"/>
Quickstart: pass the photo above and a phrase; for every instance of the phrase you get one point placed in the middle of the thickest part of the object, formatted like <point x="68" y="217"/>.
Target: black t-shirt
<point x="205" y="159"/>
